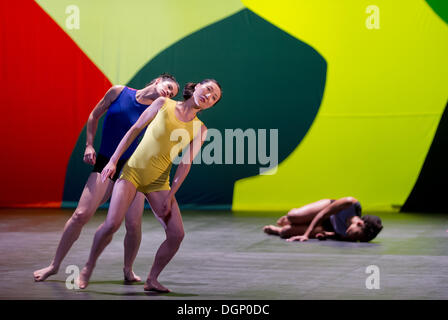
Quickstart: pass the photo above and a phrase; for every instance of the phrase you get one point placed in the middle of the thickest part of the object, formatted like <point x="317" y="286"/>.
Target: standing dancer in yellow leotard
<point x="148" y="170"/>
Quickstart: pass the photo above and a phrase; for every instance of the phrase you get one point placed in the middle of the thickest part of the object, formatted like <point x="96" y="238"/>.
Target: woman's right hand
<point x="90" y="155"/>
<point x="108" y="171"/>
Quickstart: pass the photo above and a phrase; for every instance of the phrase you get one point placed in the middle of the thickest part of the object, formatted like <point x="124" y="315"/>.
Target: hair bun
<point x="188" y="90"/>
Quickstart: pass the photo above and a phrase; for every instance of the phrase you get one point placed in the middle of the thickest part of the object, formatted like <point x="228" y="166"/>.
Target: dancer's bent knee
<point x="133" y="227"/>
<point x="110" y="227"/>
<point x="81" y="216"/>
<point x="175" y="237"/>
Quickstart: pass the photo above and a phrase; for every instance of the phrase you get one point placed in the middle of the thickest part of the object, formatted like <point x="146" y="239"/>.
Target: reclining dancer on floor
<point x="336" y="219"/>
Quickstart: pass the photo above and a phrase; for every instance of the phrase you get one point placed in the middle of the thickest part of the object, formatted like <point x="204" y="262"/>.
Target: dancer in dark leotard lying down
<point x="336" y="219"/>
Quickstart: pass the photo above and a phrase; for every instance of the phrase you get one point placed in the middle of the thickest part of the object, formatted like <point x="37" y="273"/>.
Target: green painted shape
<point x="121" y="49"/>
<point x="120" y="37"/>
<point x="440" y="7"/>
<point x="270" y="81"/>
<point x="231" y="56"/>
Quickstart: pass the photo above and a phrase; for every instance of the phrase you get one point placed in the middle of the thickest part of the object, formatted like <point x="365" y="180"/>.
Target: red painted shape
<point x="49" y="86"/>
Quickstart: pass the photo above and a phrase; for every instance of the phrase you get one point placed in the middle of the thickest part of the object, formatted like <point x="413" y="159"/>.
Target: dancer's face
<point x="355" y="230"/>
<point x="206" y="94"/>
<point x="166" y="88"/>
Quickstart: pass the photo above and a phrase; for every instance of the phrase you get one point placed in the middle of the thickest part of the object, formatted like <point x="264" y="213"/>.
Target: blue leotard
<point x="120" y="117"/>
<point x="339" y="220"/>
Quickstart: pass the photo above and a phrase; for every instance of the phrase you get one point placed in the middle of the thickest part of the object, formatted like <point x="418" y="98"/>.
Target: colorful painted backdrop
<point x="356" y="89"/>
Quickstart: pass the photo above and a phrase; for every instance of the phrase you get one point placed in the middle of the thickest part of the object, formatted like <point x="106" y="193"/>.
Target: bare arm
<point x="184" y="167"/>
<point x="146" y="117"/>
<point x="92" y="122"/>
<point x="330" y="210"/>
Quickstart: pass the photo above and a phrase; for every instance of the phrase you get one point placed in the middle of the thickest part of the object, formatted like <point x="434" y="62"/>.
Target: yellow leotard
<point x="148" y="169"/>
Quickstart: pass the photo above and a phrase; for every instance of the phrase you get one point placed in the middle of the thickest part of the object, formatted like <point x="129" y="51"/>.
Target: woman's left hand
<point x="108" y="171"/>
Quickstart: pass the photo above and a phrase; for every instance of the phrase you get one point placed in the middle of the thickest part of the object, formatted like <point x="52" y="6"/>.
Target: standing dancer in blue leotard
<point x="123" y="106"/>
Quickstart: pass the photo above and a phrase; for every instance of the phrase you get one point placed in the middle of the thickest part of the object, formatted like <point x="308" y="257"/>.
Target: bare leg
<point x="122" y="196"/>
<point x="303" y="214"/>
<point x="298" y="230"/>
<point x="306" y="214"/>
<point x="133" y="221"/>
<point x="94" y="194"/>
<point x="174" y="234"/>
<point x="272" y="230"/>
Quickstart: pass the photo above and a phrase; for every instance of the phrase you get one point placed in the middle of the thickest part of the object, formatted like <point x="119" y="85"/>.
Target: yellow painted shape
<point x="385" y="92"/>
<point x="120" y="37"/>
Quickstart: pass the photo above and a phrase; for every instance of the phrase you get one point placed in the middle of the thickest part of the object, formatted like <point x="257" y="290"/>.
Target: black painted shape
<point x="430" y="191"/>
<point x="270" y="80"/>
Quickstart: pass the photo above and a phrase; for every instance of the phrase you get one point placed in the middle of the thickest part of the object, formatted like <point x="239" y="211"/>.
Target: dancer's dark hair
<point x="372" y="226"/>
<point x="165" y="76"/>
<point x="189" y="88"/>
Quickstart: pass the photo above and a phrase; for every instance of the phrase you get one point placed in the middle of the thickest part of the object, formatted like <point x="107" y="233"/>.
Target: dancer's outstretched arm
<point x="145" y="119"/>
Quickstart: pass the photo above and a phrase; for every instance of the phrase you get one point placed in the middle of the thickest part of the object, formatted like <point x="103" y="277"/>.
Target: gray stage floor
<point x="225" y="256"/>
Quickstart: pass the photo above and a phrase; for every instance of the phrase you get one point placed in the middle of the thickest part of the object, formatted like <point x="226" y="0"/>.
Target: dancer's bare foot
<point x="130" y="276"/>
<point x="42" y="274"/>
<point x="282" y="221"/>
<point x="83" y="280"/>
<point x="271" y="229"/>
<point x="154" y="285"/>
